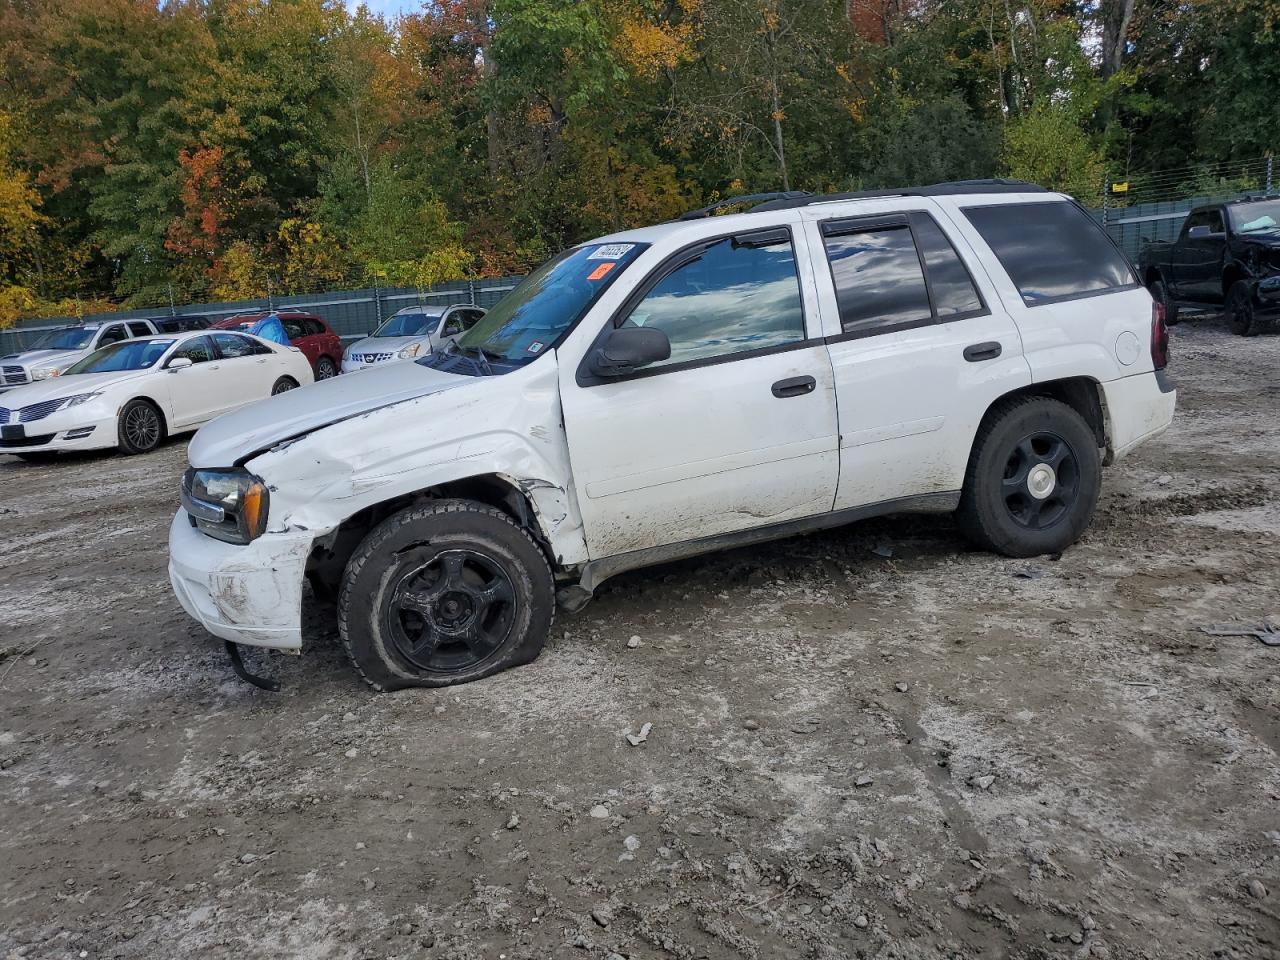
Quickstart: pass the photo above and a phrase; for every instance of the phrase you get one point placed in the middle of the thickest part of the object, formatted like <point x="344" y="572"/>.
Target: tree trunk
<point x="1116" y="17"/>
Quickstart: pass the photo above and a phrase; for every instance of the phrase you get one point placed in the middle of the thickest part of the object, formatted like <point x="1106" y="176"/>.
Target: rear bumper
<point x="249" y="594"/>
<point x="1139" y="408"/>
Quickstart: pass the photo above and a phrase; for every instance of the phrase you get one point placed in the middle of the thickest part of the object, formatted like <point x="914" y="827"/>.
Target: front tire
<point x="1240" y="310"/>
<point x="140" y="427"/>
<point x="444" y="593"/>
<point x="1160" y="294"/>
<point x="1033" y="479"/>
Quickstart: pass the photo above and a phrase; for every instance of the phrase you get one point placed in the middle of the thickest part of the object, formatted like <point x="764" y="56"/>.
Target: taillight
<point x="1159" y="337"/>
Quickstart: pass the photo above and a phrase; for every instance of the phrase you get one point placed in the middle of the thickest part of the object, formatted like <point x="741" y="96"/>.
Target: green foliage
<point x="224" y="148"/>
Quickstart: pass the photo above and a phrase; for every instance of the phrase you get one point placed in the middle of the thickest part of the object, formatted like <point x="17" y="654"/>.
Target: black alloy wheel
<point x="451" y="610"/>
<point x="1041" y="480"/>
<point x="140" y="428"/>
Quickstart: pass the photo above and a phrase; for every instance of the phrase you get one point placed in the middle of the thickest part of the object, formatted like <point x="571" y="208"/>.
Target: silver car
<point x="410" y="333"/>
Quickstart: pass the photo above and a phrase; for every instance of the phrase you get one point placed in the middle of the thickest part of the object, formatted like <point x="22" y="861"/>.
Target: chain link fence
<point x="351" y="313"/>
<point x="1149" y="207"/>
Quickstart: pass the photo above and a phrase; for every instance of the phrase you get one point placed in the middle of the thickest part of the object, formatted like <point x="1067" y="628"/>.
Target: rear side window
<point x="950" y="286"/>
<point x="140" y="329"/>
<point x="1051" y="251"/>
<point x="878" y="277"/>
<point x="895" y="272"/>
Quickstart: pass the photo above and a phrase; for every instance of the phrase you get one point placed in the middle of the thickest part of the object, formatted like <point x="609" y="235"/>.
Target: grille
<point x="27" y="441"/>
<point x="38" y="411"/>
<point x="14" y="374"/>
<point x="375" y="357"/>
<point x="4" y="414"/>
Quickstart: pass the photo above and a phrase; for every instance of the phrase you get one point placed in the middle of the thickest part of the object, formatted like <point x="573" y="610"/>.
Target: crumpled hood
<point x="237" y="436"/>
<point x="384" y="344"/>
<point x="65" y="386"/>
<point x="39" y="358"/>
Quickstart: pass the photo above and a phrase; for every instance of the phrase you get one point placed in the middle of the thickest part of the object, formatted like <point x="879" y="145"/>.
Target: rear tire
<point x="1160" y="294"/>
<point x="283" y="385"/>
<point x="444" y="593"/>
<point x="140" y="427"/>
<point x="326" y="368"/>
<point x="1033" y="479"/>
<point x="1240" y="310"/>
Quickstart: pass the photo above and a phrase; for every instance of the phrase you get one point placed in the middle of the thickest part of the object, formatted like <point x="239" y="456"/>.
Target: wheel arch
<point x="1231" y="275"/>
<point x="1082" y="394"/>
<point x="159" y="408"/>
<point x="330" y="553"/>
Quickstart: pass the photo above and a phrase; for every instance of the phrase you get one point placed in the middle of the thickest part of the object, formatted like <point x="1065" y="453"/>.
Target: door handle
<point x="977" y="352"/>
<point x="794" y="387"/>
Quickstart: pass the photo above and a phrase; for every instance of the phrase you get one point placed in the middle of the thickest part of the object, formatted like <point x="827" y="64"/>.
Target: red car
<point x="306" y="331"/>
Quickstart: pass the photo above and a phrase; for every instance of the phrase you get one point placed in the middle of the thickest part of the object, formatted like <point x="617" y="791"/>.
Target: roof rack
<point x="947" y="188"/>
<point x="776" y="197"/>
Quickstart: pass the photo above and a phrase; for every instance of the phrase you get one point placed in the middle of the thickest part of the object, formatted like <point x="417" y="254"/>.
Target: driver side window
<point x="740" y="294"/>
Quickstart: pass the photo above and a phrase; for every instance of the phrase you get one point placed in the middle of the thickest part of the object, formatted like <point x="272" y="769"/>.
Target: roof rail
<point x="948" y="188"/>
<point x="776" y="197"/>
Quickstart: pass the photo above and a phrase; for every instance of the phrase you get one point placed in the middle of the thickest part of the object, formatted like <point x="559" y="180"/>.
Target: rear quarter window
<point x="1052" y="251"/>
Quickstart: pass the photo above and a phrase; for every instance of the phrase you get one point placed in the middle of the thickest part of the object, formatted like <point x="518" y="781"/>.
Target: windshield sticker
<point x="535" y="347"/>
<point x="600" y="272"/>
<point x="611" y="251"/>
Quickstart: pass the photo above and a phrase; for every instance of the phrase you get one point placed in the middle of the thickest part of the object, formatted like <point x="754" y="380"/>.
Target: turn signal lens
<point x="254" y="510"/>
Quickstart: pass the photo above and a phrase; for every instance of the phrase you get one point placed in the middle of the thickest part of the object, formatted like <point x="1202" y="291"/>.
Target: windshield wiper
<point x="480" y="357"/>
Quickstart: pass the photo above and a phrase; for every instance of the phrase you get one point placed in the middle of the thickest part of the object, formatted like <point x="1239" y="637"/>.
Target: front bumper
<point x="250" y="594"/>
<point x="62" y="432"/>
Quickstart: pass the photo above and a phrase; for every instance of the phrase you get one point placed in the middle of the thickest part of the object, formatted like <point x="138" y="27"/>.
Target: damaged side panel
<point x="508" y="427"/>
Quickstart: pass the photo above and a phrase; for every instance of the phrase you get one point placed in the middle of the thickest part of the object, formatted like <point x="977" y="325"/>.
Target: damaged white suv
<point x="979" y="348"/>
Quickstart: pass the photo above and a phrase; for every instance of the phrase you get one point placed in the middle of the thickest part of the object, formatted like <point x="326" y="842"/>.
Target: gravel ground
<point x="873" y="742"/>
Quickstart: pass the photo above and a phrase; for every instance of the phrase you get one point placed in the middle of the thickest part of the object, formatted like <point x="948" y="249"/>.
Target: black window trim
<point x="844" y="226"/>
<point x="1066" y="297"/>
<point x="663" y="269"/>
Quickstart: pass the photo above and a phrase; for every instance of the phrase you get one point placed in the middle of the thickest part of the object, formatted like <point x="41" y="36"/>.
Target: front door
<point x="918" y="355"/>
<point x="195" y="392"/>
<point x="1197" y="257"/>
<point x="737" y="429"/>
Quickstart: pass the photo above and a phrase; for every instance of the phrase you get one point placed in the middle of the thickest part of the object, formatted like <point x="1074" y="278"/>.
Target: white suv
<point x="979" y="348"/>
<point x="59" y="349"/>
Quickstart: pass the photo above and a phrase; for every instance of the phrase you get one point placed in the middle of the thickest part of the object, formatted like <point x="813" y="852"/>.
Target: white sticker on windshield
<point x="611" y="251"/>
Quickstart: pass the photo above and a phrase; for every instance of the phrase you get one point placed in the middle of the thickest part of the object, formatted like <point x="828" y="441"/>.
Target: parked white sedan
<point x="133" y="393"/>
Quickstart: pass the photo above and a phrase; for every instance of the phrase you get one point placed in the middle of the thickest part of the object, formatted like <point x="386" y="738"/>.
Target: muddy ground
<point x="933" y="753"/>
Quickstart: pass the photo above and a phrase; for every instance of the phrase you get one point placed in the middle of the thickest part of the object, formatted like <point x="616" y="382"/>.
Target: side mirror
<point x="627" y="349"/>
<point x="179" y="363"/>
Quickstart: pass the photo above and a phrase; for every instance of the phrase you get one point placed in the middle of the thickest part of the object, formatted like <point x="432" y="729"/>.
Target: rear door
<point x="247" y="374"/>
<point x="737" y="429"/>
<point x="919" y="347"/>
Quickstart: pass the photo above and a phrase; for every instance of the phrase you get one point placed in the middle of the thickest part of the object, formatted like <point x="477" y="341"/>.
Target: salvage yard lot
<point x="870" y="742"/>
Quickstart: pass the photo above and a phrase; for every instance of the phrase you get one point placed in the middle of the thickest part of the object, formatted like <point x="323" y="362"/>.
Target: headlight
<point x="44" y="373"/>
<point x="80" y="398"/>
<point x="228" y="505"/>
<point x="410" y="351"/>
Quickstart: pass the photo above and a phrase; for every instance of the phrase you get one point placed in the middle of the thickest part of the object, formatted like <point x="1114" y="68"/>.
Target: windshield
<point x="407" y="325"/>
<point x="72" y="338"/>
<point x="126" y="355"/>
<point x="1256" y="217"/>
<point x="548" y="302"/>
